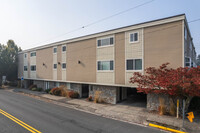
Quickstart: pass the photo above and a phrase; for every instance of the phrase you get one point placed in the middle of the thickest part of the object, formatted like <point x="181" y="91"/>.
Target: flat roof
<point x="112" y="31"/>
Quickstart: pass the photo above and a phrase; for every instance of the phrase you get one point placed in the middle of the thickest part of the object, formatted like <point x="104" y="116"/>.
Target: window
<point x="134" y="64"/>
<point x="25" y="55"/>
<point x="33" y="68"/>
<point x="64" y="65"/>
<point x="134" y="37"/>
<point x="105" y="65"/>
<point x="187" y="62"/>
<point x="54" y="50"/>
<point x="105" y="42"/>
<point x="46" y="85"/>
<point x="33" y="54"/>
<point x="25" y="68"/>
<point x="68" y="86"/>
<point x="55" y="66"/>
<point x="63" y="48"/>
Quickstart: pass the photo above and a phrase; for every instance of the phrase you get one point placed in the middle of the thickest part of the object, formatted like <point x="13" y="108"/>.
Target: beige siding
<point x="105" y="77"/>
<point x="64" y="57"/>
<point x="44" y="56"/>
<point x="54" y="62"/>
<point x="25" y="64"/>
<point x="120" y="58"/>
<point x="133" y="50"/>
<point x="29" y="67"/>
<point x="85" y="52"/>
<point x="59" y="66"/>
<point x="163" y="43"/>
<point x="106" y="53"/>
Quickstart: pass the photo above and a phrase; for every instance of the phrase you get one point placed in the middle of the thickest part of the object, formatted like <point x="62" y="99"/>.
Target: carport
<point x="130" y="96"/>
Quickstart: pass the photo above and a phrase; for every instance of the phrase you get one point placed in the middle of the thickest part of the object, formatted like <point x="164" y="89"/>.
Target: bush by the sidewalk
<point x="34" y="89"/>
<point x="63" y="91"/>
<point x="32" y="86"/>
<point x="47" y="90"/>
<point x="56" y="91"/>
<point x="73" y="94"/>
<point x="89" y="98"/>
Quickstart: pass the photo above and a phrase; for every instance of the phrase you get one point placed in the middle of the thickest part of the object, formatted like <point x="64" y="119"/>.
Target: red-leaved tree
<point x="180" y="82"/>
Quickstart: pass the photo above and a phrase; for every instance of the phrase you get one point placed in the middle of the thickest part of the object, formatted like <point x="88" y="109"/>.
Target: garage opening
<point x="85" y="90"/>
<point x="130" y="96"/>
<point x="195" y="108"/>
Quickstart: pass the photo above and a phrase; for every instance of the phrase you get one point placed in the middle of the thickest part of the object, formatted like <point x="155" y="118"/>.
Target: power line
<point x="148" y="32"/>
<point x="140" y="35"/>
<point x="98" y="21"/>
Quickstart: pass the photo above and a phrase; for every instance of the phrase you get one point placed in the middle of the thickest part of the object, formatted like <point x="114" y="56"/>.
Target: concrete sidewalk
<point x="120" y="112"/>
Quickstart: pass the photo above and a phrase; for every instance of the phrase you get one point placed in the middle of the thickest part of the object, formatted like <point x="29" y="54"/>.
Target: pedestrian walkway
<point x="121" y="112"/>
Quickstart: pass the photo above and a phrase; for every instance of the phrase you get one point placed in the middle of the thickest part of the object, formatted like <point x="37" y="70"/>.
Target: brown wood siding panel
<point x="84" y="51"/>
<point x="44" y="56"/>
<point x="163" y="43"/>
<point x="59" y="66"/>
<point x="120" y="58"/>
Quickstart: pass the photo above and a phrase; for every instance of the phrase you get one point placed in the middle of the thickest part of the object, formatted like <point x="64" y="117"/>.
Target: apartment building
<point x="105" y="61"/>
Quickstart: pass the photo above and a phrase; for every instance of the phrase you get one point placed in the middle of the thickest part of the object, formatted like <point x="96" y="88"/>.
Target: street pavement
<point x="40" y="116"/>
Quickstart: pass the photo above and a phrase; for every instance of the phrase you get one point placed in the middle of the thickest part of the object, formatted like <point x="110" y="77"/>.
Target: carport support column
<point x="81" y="91"/>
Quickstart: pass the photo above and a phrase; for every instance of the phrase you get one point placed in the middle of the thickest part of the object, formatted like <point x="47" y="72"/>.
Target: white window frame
<point x="57" y="84"/>
<point x="25" y="56"/>
<point x="26" y="68"/>
<point x="105" y="45"/>
<point x="62" y="49"/>
<point x="133" y="70"/>
<point x="65" y="65"/>
<point x="56" y="50"/>
<point x="188" y="62"/>
<point x="106" y="70"/>
<point x="46" y="85"/>
<point x="35" y="54"/>
<point x="56" y="66"/>
<point x="33" y="70"/>
<point x="131" y="42"/>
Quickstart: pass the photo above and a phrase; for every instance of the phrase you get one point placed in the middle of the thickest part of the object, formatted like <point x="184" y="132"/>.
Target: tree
<point x="8" y="60"/>
<point x="198" y="60"/>
<point x="180" y="82"/>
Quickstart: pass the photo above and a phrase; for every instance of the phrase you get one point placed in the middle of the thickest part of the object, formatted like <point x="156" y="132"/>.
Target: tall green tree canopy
<point x="8" y="60"/>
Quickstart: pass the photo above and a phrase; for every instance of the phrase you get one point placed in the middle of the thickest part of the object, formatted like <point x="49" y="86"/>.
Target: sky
<point x="32" y="23"/>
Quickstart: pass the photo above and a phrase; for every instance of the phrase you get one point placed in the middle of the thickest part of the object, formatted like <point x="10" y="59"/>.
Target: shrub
<point x="47" y="90"/>
<point x="89" y="98"/>
<point x="34" y="89"/>
<point x="56" y="91"/>
<point x="97" y="96"/>
<point x="162" y="108"/>
<point x="73" y="94"/>
<point x="32" y="86"/>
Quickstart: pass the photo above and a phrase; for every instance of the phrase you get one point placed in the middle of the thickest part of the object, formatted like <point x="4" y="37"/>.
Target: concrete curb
<point x="166" y="128"/>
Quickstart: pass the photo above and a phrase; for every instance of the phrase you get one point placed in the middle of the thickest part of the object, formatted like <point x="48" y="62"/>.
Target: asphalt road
<point x="51" y="118"/>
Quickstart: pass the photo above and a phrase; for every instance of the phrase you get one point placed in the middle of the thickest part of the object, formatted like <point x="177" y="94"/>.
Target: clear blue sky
<point x="31" y="22"/>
